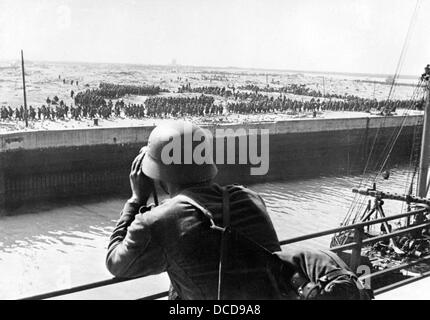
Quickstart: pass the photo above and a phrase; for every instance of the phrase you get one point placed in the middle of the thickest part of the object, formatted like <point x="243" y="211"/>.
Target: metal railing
<point x="356" y="247"/>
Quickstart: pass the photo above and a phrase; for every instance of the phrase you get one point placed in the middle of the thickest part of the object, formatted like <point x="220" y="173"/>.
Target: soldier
<point x="10" y="112"/>
<point x="32" y="113"/>
<point x="184" y="236"/>
<point x="176" y="236"/>
<point x="47" y="115"/>
<point x="39" y="113"/>
<point x="21" y="113"/>
<point x="3" y="113"/>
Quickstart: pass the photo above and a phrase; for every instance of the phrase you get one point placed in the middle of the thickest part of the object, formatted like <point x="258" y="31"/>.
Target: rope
<point x="360" y="200"/>
<point x="394" y="136"/>
<point x="359" y="204"/>
<point x="413" y="161"/>
<point x="405" y="46"/>
<point x="389" y="146"/>
<point x="396" y="74"/>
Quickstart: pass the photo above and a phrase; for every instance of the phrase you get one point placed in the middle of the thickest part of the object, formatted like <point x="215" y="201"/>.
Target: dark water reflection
<point x="52" y="247"/>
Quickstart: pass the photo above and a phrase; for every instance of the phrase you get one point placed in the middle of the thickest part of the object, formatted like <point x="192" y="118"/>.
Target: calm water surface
<point x="49" y="248"/>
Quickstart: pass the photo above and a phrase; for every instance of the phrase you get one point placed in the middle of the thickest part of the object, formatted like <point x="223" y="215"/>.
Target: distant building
<point x="389" y="79"/>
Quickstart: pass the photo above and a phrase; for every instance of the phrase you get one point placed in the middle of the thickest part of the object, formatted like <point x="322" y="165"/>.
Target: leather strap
<point x="225" y="232"/>
<point x="202" y="209"/>
<point x="225" y="208"/>
<point x="300" y="284"/>
<point x="224" y="240"/>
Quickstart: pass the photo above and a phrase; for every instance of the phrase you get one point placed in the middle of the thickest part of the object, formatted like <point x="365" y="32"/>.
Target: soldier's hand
<point x="141" y="185"/>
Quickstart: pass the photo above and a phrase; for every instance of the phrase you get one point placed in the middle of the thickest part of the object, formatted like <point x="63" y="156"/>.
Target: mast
<point x="23" y="87"/>
<point x="425" y="143"/>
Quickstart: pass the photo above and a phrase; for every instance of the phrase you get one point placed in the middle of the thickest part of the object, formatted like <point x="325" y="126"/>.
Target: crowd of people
<point x="250" y="90"/>
<point x="159" y="107"/>
<point x="229" y="92"/>
<point x="49" y="112"/>
<point x="217" y="91"/>
<point x="93" y="103"/>
<point x="252" y="100"/>
<point x="97" y="97"/>
<point x="249" y="99"/>
<point x="263" y="104"/>
<point x="115" y="91"/>
<point x="202" y="105"/>
<point x="297" y="89"/>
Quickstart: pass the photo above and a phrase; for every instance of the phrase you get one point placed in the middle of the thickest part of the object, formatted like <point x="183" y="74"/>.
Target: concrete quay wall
<point x="49" y="165"/>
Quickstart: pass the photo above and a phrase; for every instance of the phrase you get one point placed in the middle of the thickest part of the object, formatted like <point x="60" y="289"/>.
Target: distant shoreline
<point x="264" y="70"/>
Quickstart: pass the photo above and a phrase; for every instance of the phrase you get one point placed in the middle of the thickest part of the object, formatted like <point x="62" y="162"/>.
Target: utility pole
<point x="425" y="143"/>
<point x="23" y="87"/>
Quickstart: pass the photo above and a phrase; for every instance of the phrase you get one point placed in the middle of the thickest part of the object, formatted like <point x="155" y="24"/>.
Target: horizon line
<point x="374" y="75"/>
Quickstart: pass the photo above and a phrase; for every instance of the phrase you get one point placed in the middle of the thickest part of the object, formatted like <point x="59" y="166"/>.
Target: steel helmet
<point x="170" y="154"/>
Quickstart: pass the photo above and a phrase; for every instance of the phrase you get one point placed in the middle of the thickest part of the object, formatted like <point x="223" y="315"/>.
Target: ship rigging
<point x="414" y="244"/>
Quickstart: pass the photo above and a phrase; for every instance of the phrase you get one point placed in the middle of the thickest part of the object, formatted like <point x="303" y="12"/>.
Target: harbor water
<point x="46" y="247"/>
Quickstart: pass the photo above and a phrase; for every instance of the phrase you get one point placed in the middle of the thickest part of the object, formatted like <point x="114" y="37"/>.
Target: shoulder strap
<point x="224" y="240"/>
<point x="203" y="210"/>
<point x="225" y="208"/>
<point x="225" y="231"/>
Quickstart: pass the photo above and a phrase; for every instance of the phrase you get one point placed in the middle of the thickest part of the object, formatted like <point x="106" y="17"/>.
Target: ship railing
<point x="359" y="241"/>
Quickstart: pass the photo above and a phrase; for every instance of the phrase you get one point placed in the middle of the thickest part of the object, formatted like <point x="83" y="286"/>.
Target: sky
<point x="323" y="35"/>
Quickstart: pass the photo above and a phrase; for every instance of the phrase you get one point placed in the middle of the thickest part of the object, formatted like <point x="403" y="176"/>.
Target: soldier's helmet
<point x="170" y="154"/>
